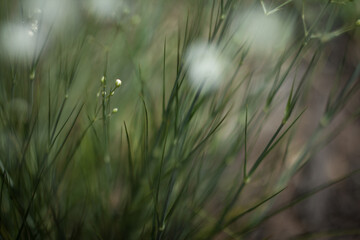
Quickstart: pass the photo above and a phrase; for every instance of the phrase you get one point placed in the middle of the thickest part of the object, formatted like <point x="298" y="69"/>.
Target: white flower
<point x="205" y="64"/>
<point x="25" y="40"/>
<point x="115" y="110"/>
<point x="53" y="14"/>
<point x="118" y="82"/>
<point x="18" y="40"/>
<point x="265" y="33"/>
<point x="104" y="9"/>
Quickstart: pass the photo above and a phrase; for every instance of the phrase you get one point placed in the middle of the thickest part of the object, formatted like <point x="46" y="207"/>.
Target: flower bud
<point x="117" y="82"/>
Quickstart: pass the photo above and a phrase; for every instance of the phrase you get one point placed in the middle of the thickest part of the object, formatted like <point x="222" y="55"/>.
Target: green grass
<point x="174" y="160"/>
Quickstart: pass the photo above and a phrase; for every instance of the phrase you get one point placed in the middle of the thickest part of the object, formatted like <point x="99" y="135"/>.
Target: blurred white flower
<point x="104" y="9"/>
<point x="205" y="64"/>
<point x="55" y="14"/>
<point x="25" y="40"/>
<point x="18" y="40"/>
<point x="265" y="33"/>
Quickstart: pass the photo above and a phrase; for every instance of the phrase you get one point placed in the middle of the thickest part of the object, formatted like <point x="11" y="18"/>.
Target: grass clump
<point x="195" y="139"/>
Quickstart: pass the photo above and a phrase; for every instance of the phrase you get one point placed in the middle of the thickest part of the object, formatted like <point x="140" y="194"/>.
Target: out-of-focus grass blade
<point x="271" y="145"/>
<point x="327" y="235"/>
<point x="130" y="160"/>
<point x="298" y="200"/>
<point x="237" y="217"/>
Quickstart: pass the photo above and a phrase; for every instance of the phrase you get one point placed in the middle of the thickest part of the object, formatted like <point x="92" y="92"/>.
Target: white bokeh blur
<point x="55" y="14"/>
<point x="205" y="65"/>
<point x="265" y="33"/>
<point x="19" y="40"/>
<point x="105" y="9"/>
<point x="23" y="39"/>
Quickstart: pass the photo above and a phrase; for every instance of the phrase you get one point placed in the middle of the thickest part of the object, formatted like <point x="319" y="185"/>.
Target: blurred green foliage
<point x="173" y="161"/>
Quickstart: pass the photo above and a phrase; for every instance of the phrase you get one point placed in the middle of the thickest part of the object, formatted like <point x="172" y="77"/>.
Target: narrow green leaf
<point x="130" y="160"/>
<point x="298" y="200"/>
